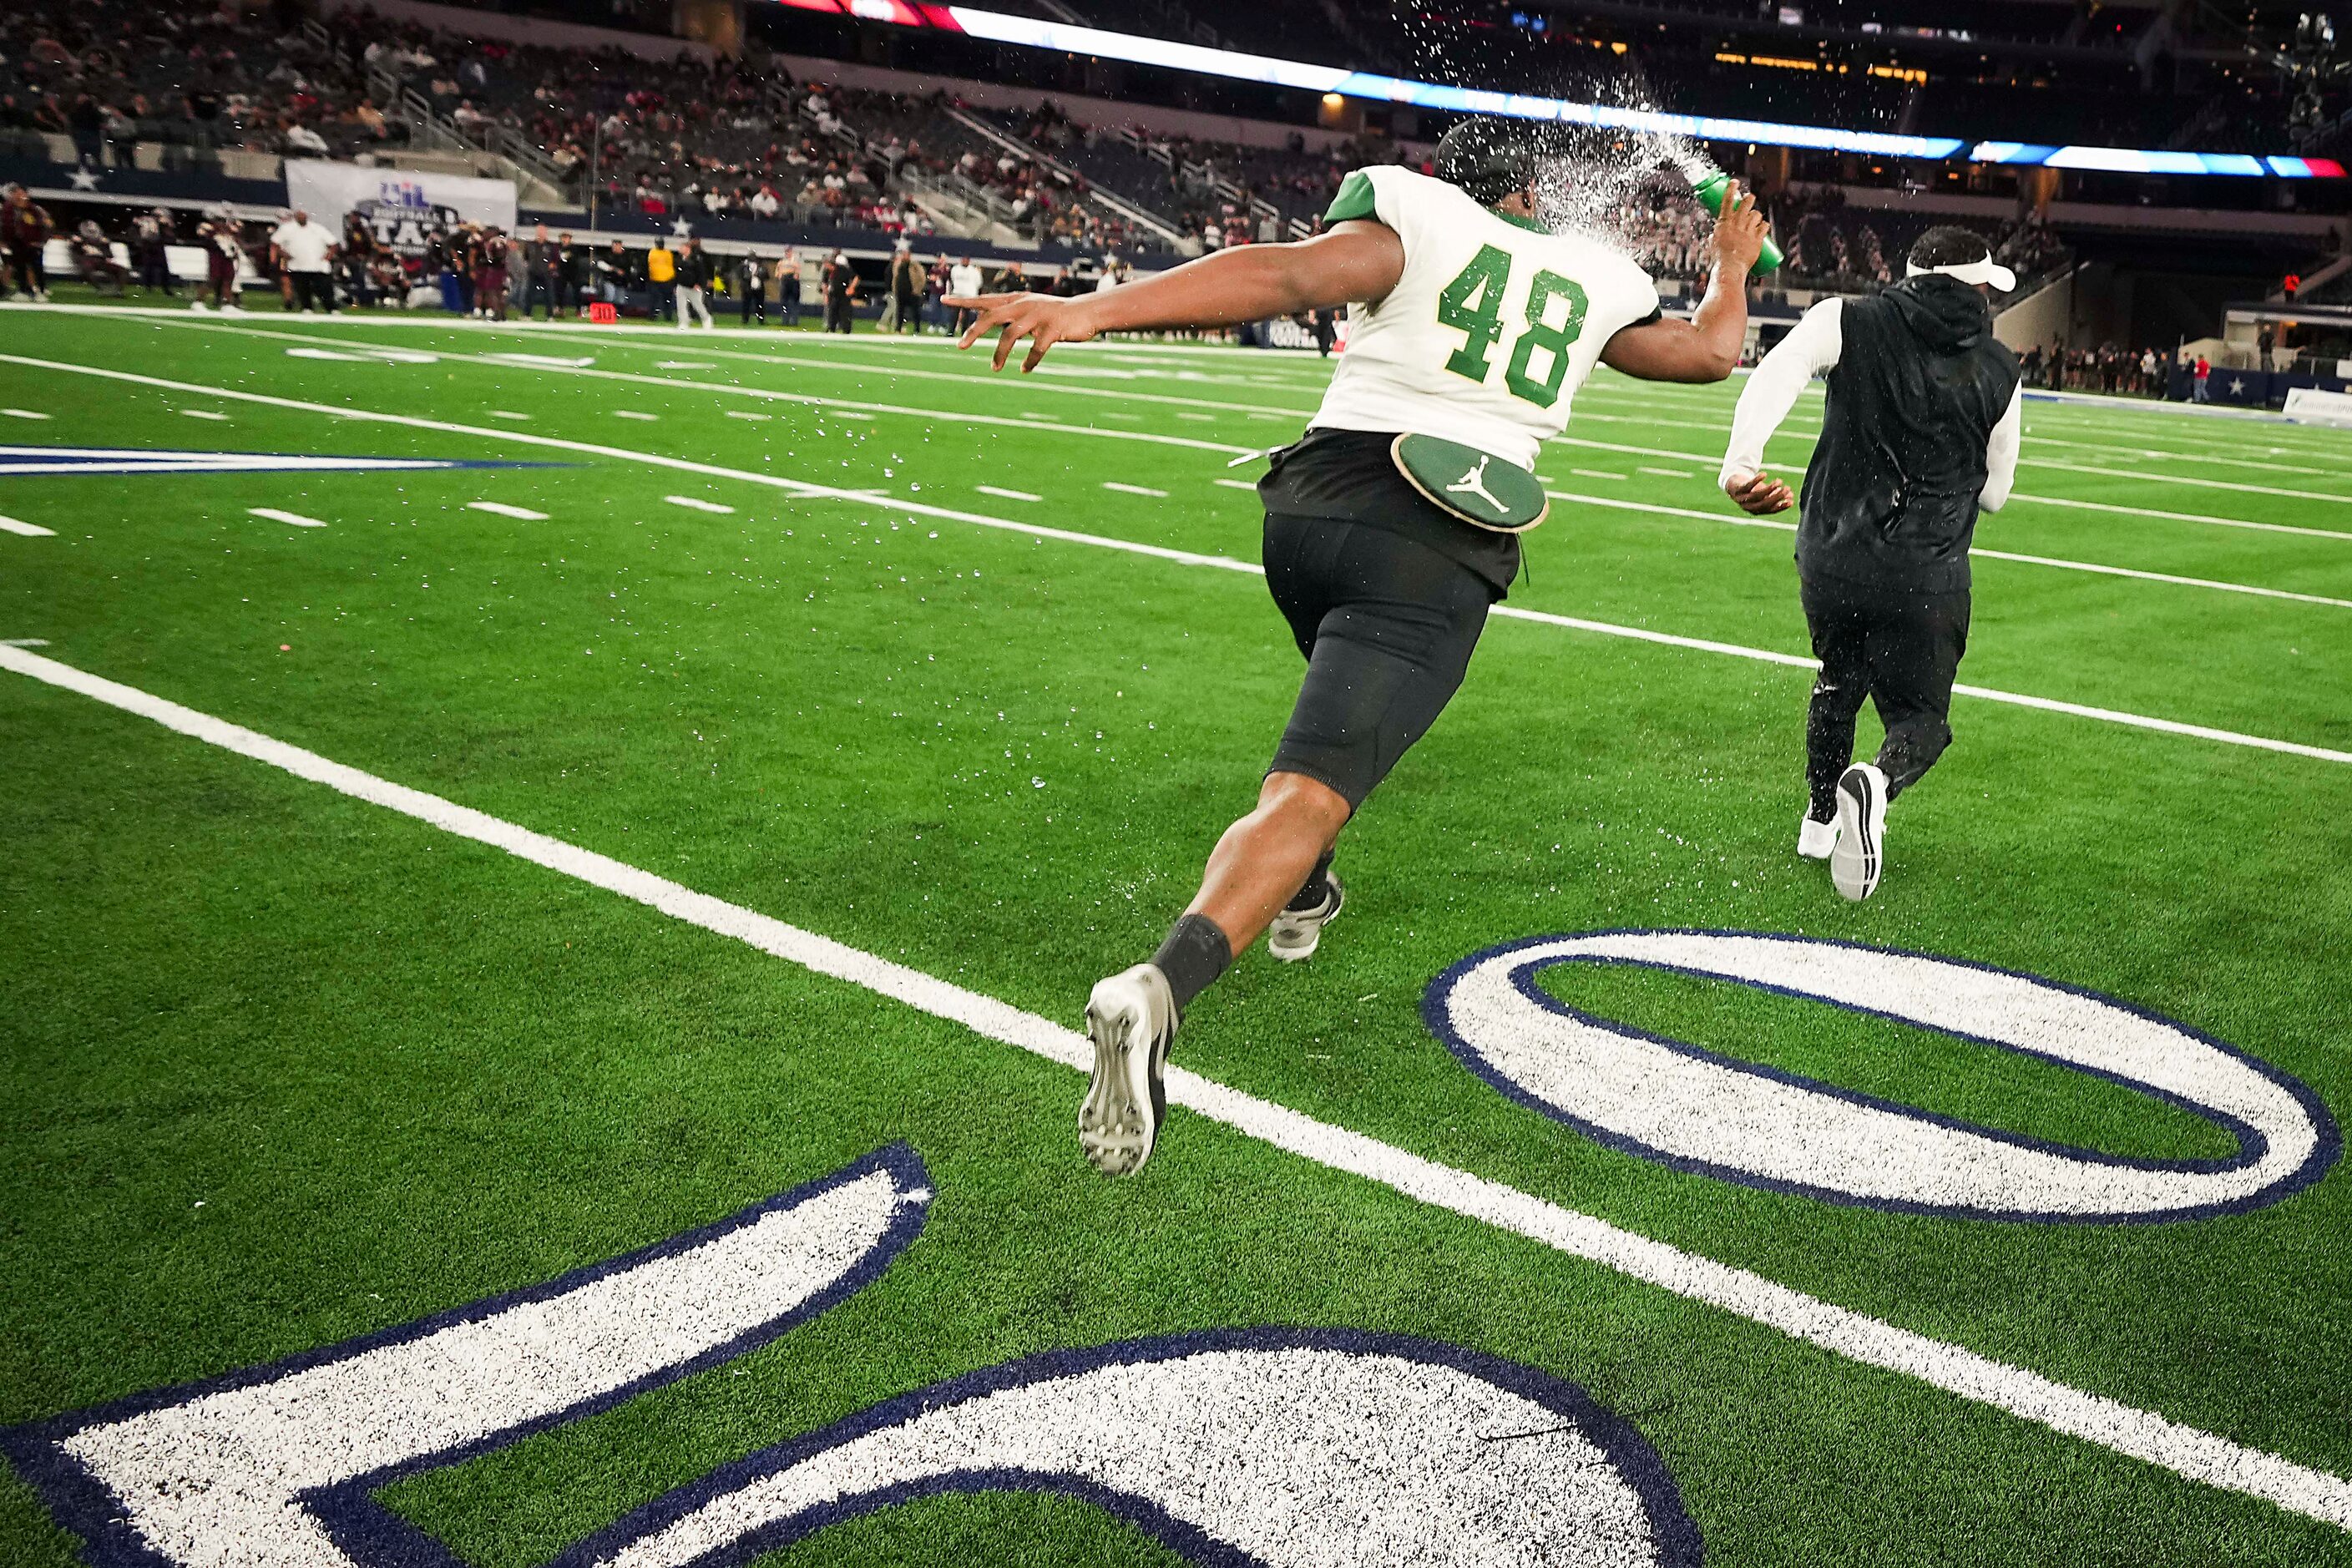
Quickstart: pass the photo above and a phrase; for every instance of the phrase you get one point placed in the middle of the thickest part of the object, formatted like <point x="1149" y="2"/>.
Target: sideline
<point x="1187" y="557"/>
<point x="2186" y="1451"/>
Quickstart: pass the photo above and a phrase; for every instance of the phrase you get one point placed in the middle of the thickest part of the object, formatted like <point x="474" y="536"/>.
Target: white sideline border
<point x="2185" y="1451"/>
<point x="806" y="489"/>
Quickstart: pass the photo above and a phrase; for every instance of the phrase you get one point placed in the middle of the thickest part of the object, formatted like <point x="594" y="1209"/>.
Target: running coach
<point x="1392" y="528"/>
<point x="1920" y="432"/>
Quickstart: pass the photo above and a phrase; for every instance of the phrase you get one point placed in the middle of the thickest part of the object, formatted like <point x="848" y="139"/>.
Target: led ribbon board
<point x="998" y="29"/>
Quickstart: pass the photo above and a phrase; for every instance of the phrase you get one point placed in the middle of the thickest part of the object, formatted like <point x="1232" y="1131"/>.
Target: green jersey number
<point x="1472" y="305"/>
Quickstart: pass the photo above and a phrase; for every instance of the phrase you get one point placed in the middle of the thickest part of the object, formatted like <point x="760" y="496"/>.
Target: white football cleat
<point x="1855" y="864"/>
<point x="1816" y="839"/>
<point x="1296" y="933"/>
<point x="1131" y="1018"/>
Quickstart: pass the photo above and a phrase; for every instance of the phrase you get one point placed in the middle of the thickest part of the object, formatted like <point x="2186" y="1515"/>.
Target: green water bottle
<point x="1710" y="193"/>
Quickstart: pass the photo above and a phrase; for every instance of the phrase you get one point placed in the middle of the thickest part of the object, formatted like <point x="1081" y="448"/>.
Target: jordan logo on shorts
<point x="1474" y="483"/>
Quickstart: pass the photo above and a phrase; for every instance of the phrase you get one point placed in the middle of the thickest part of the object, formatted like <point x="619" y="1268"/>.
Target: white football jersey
<point x="1495" y="324"/>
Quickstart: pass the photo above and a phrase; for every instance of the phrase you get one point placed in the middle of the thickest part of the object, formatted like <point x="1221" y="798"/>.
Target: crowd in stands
<point x="108" y="74"/>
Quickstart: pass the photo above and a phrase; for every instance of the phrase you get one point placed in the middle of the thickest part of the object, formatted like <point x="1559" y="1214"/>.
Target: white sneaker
<point x="1296" y="933"/>
<point x="1862" y="827"/>
<point x="1816" y="839"/>
<point x="198" y="305"/>
<point x="1131" y="1018"/>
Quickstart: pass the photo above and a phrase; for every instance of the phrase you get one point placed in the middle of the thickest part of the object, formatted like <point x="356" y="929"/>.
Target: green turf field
<point x="790" y="638"/>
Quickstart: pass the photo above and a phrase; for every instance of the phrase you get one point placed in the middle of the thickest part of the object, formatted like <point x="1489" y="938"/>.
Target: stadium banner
<point x="406" y="208"/>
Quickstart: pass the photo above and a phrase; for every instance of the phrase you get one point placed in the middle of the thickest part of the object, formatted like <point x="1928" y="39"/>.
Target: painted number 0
<point x="1472" y="305"/>
<point x="1697" y="1111"/>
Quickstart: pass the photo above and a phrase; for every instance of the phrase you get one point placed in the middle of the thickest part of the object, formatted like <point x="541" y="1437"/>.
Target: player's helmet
<point x="1491" y="159"/>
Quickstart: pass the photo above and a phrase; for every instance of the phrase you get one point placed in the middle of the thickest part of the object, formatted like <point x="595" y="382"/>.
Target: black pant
<point x="755" y="303"/>
<point x="1901" y="648"/>
<point x="25" y="269"/>
<point x="1387" y="625"/>
<point x="313" y="288"/>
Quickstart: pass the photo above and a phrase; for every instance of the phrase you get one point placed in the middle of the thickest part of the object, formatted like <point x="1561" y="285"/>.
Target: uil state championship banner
<point x="405" y="207"/>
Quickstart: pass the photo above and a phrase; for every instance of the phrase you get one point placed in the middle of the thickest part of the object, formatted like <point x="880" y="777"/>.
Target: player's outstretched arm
<point x="1358" y="259"/>
<point x="1706" y="347"/>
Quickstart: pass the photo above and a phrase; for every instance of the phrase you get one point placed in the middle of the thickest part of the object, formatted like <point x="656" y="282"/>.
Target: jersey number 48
<point x="1472" y="305"/>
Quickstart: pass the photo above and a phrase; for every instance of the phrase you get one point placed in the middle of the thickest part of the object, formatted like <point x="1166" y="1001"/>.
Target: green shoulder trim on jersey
<point x="1354" y="200"/>
<point x="1540" y="227"/>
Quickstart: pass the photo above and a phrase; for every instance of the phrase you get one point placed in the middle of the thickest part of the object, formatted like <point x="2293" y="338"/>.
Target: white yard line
<point x="843" y="408"/>
<point x="293" y="519"/>
<point x="2197" y="517"/>
<point x="2149" y="476"/>
<point x="500" y="508"/>
<point x="695" y="503"/>
<point x="1742" y="519"/>
<point x="1664" y="473"/>
<point x="30" y="529"/>
<point x="1239" y="485"/>
<point x="510" y="414"/>
<point x="1711" y="464"/>
<point x="747" y="414"/>
<point x="634" y="414"/>
<point x="2266" y="465"/>
<point x="2144" y="1434"/>
<point x="22" y="414"/>
<point x="1003" y="494"/>
<point x="1186" y="557"/>
<point x="1128" y="490"/>
<point x="204" y="414"/>
<point x="1595" y="474"/>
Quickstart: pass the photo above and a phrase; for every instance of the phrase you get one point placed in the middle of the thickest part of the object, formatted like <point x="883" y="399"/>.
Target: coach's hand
<point x="1043" y="318"/>
<point x="1758" y="493"/>
<point x="1740" y="230"/>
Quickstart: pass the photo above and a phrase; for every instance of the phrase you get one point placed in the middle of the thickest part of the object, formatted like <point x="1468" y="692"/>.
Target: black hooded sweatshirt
<point x="1890" y="498"/>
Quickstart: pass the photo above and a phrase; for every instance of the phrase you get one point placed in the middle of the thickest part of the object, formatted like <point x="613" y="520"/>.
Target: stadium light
<point x="1335" y="81"/>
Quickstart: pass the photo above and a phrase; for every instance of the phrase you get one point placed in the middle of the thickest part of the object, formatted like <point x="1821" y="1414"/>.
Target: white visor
<point x="1985" y="271"/>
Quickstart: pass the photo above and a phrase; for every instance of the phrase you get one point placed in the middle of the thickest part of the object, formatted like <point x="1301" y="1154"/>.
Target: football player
<point x="1391" y="526"/>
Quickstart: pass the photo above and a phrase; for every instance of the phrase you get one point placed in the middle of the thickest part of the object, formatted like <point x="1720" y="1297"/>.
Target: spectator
<point x="751" y="280"/>
<point x="964" y="282"/>
<point x="692" y="274"/>
<point x="304" y="253"/>
<point x="151" y="240"/>
<point x="614" y="270"/>
<point x="572" y="266"/>
<point x="905" y="285"/>
<point x="788" y="286"/>
<point x="490" y="256"/>
<point x="224" y="257"/>
<point x="24" y="229"/>
<point x="841" y="291"/>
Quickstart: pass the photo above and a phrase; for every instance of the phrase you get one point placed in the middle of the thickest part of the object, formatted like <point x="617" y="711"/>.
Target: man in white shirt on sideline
<point x="305" y="255"/>
<point x="965" y="282"/>
<point x="1920" y="432"/>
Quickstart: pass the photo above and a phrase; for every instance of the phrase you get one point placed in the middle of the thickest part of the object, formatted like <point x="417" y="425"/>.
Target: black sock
<point x="1192" y="957"/>
<point x="1316" y="888"/>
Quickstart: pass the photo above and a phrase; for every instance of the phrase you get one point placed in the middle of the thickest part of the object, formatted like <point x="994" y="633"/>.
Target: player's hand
<point x="1740" y="230"/>
<point x="1758" y="493"/>
<point x="1043" y="318"/>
